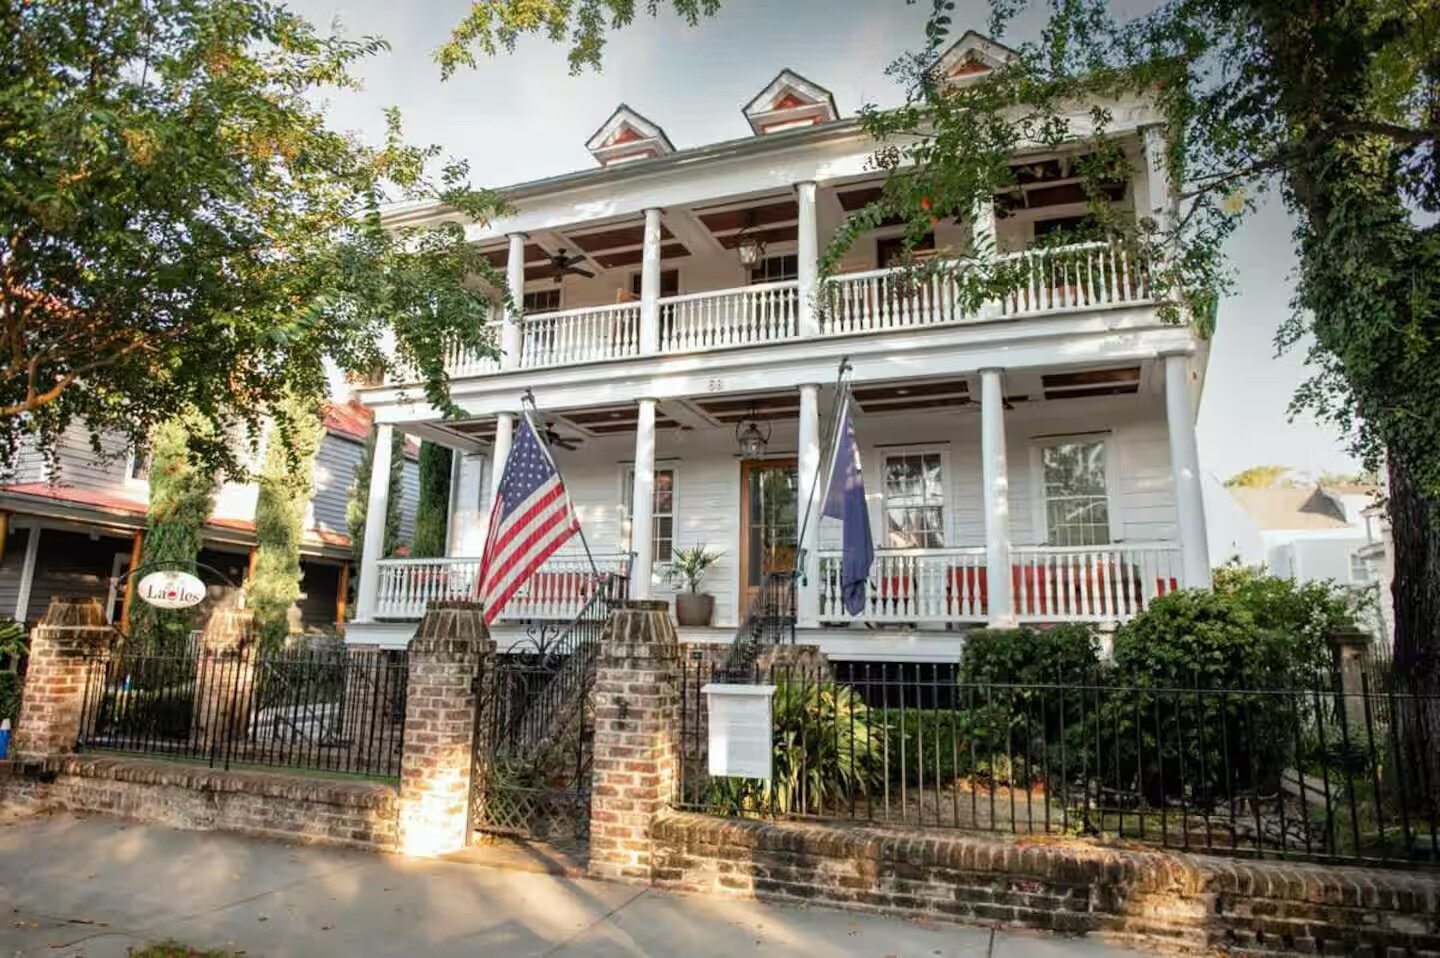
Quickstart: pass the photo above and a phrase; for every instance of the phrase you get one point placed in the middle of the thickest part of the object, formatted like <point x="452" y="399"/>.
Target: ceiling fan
<point x="562" y="265"/>
<point x="553" y="438"/>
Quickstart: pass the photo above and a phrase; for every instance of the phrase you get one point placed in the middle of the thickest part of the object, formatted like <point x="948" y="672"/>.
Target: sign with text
<point x="171" y="589"/>
<point x="742" y="730"/>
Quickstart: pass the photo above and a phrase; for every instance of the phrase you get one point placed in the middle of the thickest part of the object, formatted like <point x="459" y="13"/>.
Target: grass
<point x="175" y="949"/>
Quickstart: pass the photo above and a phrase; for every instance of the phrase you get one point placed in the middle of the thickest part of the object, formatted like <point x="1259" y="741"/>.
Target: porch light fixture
<point x="750" y="437"/>
<point x="747" y="244"/>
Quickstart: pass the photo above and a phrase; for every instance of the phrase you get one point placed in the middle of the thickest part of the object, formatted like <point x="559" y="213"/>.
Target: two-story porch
<point x="1028" y="459"/>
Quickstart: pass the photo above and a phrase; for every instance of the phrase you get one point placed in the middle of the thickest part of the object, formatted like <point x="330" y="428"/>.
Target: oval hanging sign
<point x="171" y="589"/>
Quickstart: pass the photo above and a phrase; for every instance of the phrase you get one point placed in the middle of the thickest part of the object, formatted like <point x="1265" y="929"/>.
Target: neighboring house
<point x="1310" y="533"/>
<point x="1378" y="554"/>
<point x="1032" y="461"/>
<point x="73" y="528"/>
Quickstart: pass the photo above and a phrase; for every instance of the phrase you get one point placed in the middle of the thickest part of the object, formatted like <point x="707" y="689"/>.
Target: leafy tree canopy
<point x="181" y="230"/>
<point x="1261" y="477"/>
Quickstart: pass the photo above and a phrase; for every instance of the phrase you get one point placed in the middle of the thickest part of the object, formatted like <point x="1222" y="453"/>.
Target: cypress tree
<point x="433" y="509"/>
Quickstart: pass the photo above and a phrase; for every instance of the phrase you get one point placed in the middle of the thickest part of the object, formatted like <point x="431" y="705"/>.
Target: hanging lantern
<point x="752" y="435"/>
<point x="747" y="244"/>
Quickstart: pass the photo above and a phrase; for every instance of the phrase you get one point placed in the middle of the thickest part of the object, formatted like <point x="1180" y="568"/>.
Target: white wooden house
<point x="1033" y="461"/>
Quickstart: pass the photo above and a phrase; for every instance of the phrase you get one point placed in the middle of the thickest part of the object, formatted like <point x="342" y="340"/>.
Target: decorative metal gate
<point x="534" y="728"/>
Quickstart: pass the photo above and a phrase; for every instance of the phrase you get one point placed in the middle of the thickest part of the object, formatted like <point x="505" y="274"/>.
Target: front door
<point x="769" y="522"/>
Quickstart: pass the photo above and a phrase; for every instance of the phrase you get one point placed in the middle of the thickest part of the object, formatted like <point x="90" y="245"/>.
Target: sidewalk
<point x="95" y="887"/>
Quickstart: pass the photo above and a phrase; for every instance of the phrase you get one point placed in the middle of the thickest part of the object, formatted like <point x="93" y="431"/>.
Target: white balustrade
<point x="1092" y="583"/>
<point x="558" y="590"/>
<point x="466" y="361"/>
<point x="1050" y="583"/>
<point x="911" y="586"/>
<point x="762" y="313"/>
<point x="1083" y="276"/>
<point x="592" y="334"/>
<point x="881" y="299"/>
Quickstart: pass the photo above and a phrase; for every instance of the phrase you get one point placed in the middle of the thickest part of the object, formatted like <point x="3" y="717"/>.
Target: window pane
<point x="914" y="501"/>
<point x="1077" y="505"/>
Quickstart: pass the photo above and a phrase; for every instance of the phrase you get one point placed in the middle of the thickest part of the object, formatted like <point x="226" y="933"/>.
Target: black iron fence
<point x="1315" y="773"/>
<point x="328" y="709"/>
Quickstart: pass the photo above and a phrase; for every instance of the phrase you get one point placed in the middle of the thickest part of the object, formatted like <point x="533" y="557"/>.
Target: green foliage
<point x="1300" y="616"/>
<point x="692" y="565"/>
<point x="358" y="501"/>
<point x="12" y="650"/>
<point x="1065" y="654"/>
<point x="828" y="747"/>
<point x="182" y="496"/>
<point x="183" y="229"/>
<point x="1260" y="477"/>
<point x="10" y="688"/>
<point x="433" y="510"/>
<point x="492" y="25"/>
<point x="287" y="484"/>
<point x="1193" y="638"/>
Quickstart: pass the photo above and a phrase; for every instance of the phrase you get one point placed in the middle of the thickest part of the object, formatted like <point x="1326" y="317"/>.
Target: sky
<point x="522" y="116"/>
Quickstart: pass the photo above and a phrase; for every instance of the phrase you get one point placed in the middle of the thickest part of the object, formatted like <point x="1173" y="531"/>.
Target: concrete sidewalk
<point x="95" y="887"/>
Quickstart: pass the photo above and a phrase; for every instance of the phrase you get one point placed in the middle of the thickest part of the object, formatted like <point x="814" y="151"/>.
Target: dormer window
<point x="973" y="56"/>
<point x="790" y="102"/>
<point x="627" y="136"/>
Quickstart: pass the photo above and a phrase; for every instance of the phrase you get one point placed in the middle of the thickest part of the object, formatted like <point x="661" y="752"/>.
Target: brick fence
<point x="353" y="813"/>
<point x="1150" y="899"/>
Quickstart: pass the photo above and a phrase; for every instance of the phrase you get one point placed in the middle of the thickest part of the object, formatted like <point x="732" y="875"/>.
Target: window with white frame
<point x="541" y="300"/>
<point x="1076" y="496"/>
<point x="1360" y="573"/>
<point x="776" y="269"/>
<point x="914" y="500"/>
<point x="139" y="468"/>
<point x="662" y="522"/>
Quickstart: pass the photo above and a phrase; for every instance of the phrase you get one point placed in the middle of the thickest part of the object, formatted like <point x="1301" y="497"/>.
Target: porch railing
<point x="558" y="590"/>
<point x="1083" y="276"/>
<point x="762" y="313"/>
<point x="591" y="334"/>
<point x="1048" y="583"/>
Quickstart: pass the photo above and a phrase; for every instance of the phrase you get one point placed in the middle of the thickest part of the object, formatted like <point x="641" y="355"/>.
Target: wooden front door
<point x="769" y="522"/>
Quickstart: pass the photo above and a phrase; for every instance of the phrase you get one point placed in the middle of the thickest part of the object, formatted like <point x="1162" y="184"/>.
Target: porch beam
<point x="1000" y="612"/>
<point x="1185" y="467"/>
<point x="642" y="509"/>
<point x="376" y="506"/>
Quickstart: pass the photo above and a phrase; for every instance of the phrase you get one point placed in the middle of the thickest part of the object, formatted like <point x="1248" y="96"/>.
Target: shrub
<point x="1299" y="615"/>
<point x="1067" y="654"/>
<point x="10" y="696"/>
<point x="827" y="748"/>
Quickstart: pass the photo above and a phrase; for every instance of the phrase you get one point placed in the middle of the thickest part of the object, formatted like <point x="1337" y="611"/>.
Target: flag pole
<point x="842" y="393"/>
<point x="527" y="406"/>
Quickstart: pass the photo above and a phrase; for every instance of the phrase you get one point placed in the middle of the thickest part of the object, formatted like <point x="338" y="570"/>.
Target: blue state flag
<point x="845" y="500"/>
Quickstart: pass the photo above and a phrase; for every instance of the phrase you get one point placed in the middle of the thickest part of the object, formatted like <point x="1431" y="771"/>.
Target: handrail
<point x="731" y="290"/>
<point x="550" y="314"/>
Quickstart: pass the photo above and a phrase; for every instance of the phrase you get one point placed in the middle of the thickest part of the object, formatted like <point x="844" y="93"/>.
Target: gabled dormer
<point x="789" y="102"/>
<point x="972" y="57"/>
<point x="627" y="136"/>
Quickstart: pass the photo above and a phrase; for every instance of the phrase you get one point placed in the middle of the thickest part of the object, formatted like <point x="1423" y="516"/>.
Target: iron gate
<point x="534" y="728"/>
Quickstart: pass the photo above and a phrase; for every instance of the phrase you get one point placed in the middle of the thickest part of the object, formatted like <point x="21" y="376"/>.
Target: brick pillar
<point x="224" y="679"/>
<point x="63" y="679"/>
<point x="637" y="731"/>
<point x="445" y="658"/>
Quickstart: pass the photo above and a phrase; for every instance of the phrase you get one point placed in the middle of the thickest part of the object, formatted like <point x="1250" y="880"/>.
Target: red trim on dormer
<point x="626" y="134"/>
<point x="970" y="68"/>
<point x="790" y="101"/>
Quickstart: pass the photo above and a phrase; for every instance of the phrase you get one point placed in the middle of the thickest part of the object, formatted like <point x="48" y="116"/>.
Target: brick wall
<point x="357" y="814"/>
<point x="1149" y="899"/>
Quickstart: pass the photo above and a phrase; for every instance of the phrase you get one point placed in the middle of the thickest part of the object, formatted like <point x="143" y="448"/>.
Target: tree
<point x="358" y="502"/>
<point x="433" y="508"/>
<point x="492" y="25"/>
<point x="182" y="496"/>
<point x="182" y="231"/>
<point x="1260" y="477"/>
<point x="287" y="484"/>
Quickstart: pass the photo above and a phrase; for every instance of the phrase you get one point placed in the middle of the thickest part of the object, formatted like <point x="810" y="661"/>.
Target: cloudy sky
<point x="522" y="117"/>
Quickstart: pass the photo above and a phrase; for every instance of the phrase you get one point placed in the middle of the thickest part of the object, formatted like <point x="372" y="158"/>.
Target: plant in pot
<point x="693" y="607"/>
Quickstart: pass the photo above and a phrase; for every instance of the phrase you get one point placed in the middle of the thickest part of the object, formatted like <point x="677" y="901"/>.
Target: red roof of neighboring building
<point x="353" y="421"/>
<point x="104" y="500"/>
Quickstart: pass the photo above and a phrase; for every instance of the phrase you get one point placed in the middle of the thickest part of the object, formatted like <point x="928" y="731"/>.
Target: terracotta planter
<point x="694" y="608"/>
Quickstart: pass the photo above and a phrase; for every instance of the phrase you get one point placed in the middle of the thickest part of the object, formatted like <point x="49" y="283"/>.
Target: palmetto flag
<point x="531" y="518"/>
<point x="845" y="500"/>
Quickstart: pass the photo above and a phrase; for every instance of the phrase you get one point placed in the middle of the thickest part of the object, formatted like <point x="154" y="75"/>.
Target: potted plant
<point x="693" y="608"/>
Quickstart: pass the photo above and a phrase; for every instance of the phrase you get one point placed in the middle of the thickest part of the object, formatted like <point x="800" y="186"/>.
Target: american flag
<point x="531" y="518"/>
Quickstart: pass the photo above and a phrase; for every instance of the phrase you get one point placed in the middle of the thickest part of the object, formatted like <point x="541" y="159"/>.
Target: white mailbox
<point x="741" y="730"/>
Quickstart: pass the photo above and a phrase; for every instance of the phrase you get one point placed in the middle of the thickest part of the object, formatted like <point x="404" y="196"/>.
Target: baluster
<point x="1125" y="272"/>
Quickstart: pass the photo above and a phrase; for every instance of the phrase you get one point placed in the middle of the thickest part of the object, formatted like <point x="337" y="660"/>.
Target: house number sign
<point x="741" y="730"/>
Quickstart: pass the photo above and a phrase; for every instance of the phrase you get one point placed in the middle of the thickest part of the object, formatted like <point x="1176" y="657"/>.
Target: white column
<point x="510" y="326"/>
<point x="1185" y="466"/>
<point x="499" y="452"/>
<point x="650" y="284"/>
<point x="1157" y="178"/>
<point x="27" y="575"/>
<point x="983" y="226"/>
<point x="375" y="509"/>
<point x="808" y="454"/>
<point x="807" y="249"/>
<point x="1001" y="613"/>
<point x="642" y="508"/>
